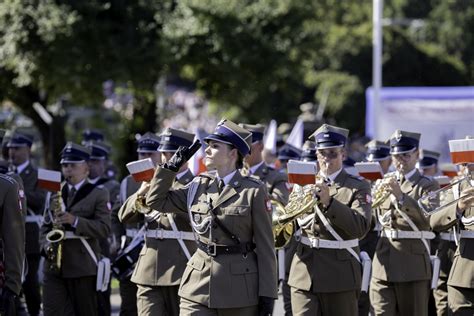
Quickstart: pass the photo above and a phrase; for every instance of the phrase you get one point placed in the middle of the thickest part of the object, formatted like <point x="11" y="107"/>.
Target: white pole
<point x="377" y="61"/>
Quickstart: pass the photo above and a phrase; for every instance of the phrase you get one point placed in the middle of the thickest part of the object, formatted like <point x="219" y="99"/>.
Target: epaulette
<point x="7" y="178"/>
<point x="359" y="178"/>
<point x="255" y="180"/>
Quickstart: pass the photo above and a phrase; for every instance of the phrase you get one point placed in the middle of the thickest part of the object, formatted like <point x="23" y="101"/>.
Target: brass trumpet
<point x="380" y="192"/>
<point x="56" y="236"/>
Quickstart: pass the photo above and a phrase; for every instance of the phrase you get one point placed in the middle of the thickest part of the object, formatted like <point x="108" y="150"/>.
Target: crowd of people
<point x="205" y="244"/>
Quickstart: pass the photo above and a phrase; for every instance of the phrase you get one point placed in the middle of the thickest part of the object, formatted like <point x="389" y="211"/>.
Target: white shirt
<point x="408" y="175"/>
<point x="254" y="168"/>
<point x="77" y="186"/>
<point x="228" y="177"/>
<point x="20" y="168"/>
<point x="332" y="176"/>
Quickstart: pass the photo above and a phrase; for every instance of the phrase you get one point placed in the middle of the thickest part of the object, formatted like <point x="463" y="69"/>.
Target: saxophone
<point x="56" y="236"/>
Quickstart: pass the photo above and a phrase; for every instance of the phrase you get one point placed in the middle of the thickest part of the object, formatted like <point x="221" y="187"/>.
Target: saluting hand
<point x="466" y="200"/>
<point x="66" y="218"/>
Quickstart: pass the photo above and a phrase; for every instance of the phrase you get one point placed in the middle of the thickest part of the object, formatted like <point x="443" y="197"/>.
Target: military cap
<point x="230" y="133"/>
<point x="287" y="152"/>
<point x="256" y="130"/>
<point x="428" y="158"/>
<point x="74" y="153"/>
<point x="309" y="151"/>
<point x="404" y="142"/>
<point x="377" y="150"/>
<point x="20" y="140"/>
<point x="148" y="143"/>
<point x="99" y="150"/>
<point x="92" y="135"/>
<point x="171" y="139"/>
<point x="328" y="136"/>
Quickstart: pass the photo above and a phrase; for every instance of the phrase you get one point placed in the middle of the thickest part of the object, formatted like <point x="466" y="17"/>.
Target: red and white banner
<point x="141" y="170"/>
<point x="449" y="170"/>
<point x="302" y="172"/>
<point x="443" y="180"/>
<point x="462" y="151"/>
<point x="49" y="180"/>
<point x="370" y="170"/>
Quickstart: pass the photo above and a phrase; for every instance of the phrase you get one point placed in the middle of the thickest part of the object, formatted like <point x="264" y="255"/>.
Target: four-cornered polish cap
<point x="20" y="140"/>
<point x="428" y="158"/>
<point x="230" y="133"/>
<point x="148" y="143"/>
<point x="309" y="151"/>
<point x="257" y="131"/>
<point x="404" y="142"/>
<point x="99" y="150"/>
<point x="74" y="153"/>
<point x="377" y="150"/>
<point x="328" y="136"/>
<point x="287" y="152"/>
<point x="92" y="135"/>
<point x="171" y="139"/>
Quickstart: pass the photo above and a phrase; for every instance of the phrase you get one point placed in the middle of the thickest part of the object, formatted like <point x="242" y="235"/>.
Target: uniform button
<point x="406" y="210"/>
<point x="449" y="218"/>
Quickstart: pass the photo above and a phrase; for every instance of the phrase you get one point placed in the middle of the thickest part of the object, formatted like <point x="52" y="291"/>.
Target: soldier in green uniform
<point x="233" y="272"/>
<point x="428" y="163"/>
<point x="19" y="151"/>
<point x="325" y="274"/>
<point x="401" y="268"/>
<point x="460" y="283"/>
<point x="377" y="151"/>
<point x="12" y="237"/>
<point x="169" y="241"/>
<point x="70" y="289"/>
<point x="97" y="165"/>
<point x="147" y="147"/>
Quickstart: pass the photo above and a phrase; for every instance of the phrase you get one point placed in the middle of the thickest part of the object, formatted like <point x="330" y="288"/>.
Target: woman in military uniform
<point x="233" y="272"/>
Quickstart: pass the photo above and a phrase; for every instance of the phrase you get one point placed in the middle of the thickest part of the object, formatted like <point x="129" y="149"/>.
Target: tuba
<point x="302" y="201"/>
<point x="56" y="236"/>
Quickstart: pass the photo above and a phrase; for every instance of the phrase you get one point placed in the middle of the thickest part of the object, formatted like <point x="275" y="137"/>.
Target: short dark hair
<point x="239" y="164"/>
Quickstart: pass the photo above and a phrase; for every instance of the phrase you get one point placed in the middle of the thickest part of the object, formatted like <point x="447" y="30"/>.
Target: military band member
<point x="325" y="275"/>
<point x="461" y="276"/>
<point x="401" y="267"/>
<point x="233" y="272"/>
<point x="428" y="163"/>
<point x="97" y="166"/>
<point x="147" y="147"/>
<point x="92" y="135"/>
<point x="19" y="152"/>
<point x="309" y="151"/>
<point x="377" y="151"/>
<point x="285" y="153"/>
<point x="71" y="288"/>
<point x="164" y="256"/>
<point x="12" y="237"/>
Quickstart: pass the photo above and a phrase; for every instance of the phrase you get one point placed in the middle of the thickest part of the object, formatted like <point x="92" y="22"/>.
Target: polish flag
<point x="297" y="134"/>
<point x="302" y="172"/>
<point x="49" y="180"/>
<point x="141" y="170"/>
<point x="462" y="151"/>
<point x="270" y="138"/>
<point x="442" y="180"/>
<point x="370" y="170"/>
<point x="449" y="169"/>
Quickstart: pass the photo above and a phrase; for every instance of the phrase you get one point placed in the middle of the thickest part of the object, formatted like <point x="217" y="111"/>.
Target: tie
<point x="220" y="186"/>
<point x="70" y="196"/>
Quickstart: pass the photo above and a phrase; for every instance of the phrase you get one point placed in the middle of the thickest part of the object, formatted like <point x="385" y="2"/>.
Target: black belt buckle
<point x="211" y="249"/>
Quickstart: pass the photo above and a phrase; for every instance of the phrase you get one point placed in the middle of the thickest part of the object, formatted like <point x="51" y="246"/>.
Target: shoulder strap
<point x="180" y="241"/>
<point x="333" y="232"/>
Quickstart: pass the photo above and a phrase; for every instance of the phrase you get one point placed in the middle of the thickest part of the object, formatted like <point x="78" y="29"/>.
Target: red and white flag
<point x="141" y="170"/>
<point x="49" y="180"/>
<point x="462" y="151"/>
<point x="449" y="169"/>
<point x="302" y="172"/>
<point x="196" y="163"/>
<point x="370" y="170"/>
<point x="442" y="180"/>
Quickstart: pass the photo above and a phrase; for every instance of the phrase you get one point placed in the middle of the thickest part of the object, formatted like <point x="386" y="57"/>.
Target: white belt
<point x="467" y="234"/>
<point x="329" y="244"/>
<point x="405" y="234"/>
<point x="447" y="236"/>
<point x="33" y="219"/>
<point x="131" y="232"/>
<point x="71" y="235"/>
<point x="168" y="234"/>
